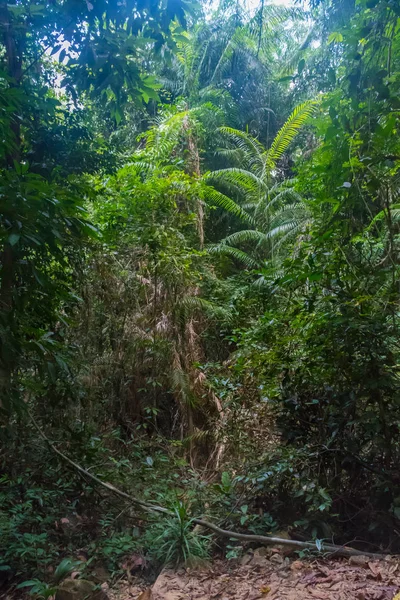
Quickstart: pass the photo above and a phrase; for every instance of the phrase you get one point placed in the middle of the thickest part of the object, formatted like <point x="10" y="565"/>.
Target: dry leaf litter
<point x="260" y="576"/>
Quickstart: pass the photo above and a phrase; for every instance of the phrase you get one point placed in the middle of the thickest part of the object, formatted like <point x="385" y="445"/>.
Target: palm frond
<point x="273" y="15"/>
<point x="240" y="42"/>
<point x="172" y="85"/>
<point x="291" y="63"/>
<point x="271" y="273"/>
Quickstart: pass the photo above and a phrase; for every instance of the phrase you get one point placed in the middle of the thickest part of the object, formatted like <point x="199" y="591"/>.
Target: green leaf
<point x="28" y="583"/>
<point x="52" y="371"/>
<point x="301" y="65"/>
<point x="118" y="116"/>
<point x="65" y="567"/>
<point x="13" y="238"/>
<point x="335" y="38"/>
<point x="226" y="480"/>
<point x="149" y="93"/>
<point x="315" y="276"/>
<point x="39" y="276"/>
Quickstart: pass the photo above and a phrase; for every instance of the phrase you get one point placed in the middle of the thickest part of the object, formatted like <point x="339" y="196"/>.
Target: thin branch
<point x="262" y="539"/>
<point x="36" y="60"/>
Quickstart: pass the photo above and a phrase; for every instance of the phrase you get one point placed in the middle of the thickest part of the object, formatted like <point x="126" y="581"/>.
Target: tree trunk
<point x="13" y="48"/>
<point x="194" y="170"/>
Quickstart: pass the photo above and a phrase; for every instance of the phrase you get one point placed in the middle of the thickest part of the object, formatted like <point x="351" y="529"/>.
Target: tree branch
<point x="261" y="539"/>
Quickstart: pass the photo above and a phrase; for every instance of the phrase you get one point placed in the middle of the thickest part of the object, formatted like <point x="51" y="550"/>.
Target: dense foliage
<point x="199" y="228"/>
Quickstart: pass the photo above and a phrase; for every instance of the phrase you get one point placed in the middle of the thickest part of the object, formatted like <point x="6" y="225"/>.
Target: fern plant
<point x="165" y="141"/>
<point x="276" y="211"/>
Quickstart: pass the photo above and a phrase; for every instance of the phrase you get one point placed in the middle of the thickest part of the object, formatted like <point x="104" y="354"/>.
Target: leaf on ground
<point x="146" y="595"/>
<point x="375" y="570"/>
<point x="319" y="594"/>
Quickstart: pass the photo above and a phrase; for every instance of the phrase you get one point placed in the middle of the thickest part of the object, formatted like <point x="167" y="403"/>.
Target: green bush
<point x="172" y="540"/>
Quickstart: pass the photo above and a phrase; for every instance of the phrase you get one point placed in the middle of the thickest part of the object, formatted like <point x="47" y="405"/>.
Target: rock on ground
<point x="79" y="589"/>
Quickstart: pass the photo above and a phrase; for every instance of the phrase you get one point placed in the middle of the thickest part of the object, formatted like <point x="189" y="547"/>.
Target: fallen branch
<point x="245" y="537"/>
<point x="274" y="541"/>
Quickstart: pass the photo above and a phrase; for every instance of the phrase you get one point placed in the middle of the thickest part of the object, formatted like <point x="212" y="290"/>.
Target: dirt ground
<point x="260" y="575"/>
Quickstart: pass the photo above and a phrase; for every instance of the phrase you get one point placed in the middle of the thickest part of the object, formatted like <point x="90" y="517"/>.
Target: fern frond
<point x="239" y="255"/>
<point x="191" y="304"/>
<point x="289" y="226"/>
<point x="394" y="213"/>
<point x="246" y="180"/>
<point x="219" y="199"/>
<point x="244" y="141"/>
<point x="244" y="236"/>
<point x="289" y="131"/>
<point x="287" y="193"/>
<point x="181" y="384"/>
<point x="198" y="435"/>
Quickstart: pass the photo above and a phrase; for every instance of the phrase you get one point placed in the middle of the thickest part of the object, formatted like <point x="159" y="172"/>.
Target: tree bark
<point x="194" y="170"/>
<point x="13" y="45"/>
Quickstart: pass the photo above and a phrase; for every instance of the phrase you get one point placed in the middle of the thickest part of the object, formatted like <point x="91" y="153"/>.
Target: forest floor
<point x="260" y="576"/>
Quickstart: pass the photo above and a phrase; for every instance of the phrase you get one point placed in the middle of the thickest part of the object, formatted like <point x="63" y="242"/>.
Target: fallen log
<point x="332" y="549"/>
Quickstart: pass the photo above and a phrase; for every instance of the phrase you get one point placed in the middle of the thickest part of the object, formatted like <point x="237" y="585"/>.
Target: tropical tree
<point x="326" y="340"/>
<point x="229" y="60"/>
<point x="147" y="350"/>
<point x="41" y="219"/>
